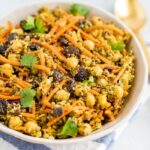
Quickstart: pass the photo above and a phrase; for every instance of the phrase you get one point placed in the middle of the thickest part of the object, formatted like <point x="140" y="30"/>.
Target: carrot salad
<point x="63" y="74"/>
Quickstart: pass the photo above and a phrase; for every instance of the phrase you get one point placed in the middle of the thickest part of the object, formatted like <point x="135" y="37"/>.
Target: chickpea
<point x="19" y="31"/>
<point x="85" y="129"/>
<point x="117" y="56"/>
<point x="109" y="114"/>
<point x="44" y="9"/>
<point x="48" y="136"/>
<point x="32" y="128"/>
<point x="72" y="62"/>
<point x="16" y="46"/>
<point x="59" y="12"/>
<point x="6" y="69"/>
<point x="81" y="90"/>
<point x="15" y="122"/>
<point x="96" y="71"/>
<point x="62" y="95"/>
<point x="12" y="57"/>
<point x="2" y="83"/>
<point x="89" y="44"/>
<point x="102" y="82"/>
<point x="97" y="20"/>
<point x="86" y="61"/>
<point x="125" y="78"/>
<point x="90" y="100"/>
<point x="118" y="92"/>
<point x="102" y="100"/>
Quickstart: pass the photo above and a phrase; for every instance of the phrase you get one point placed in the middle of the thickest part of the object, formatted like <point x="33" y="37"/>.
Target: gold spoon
<point x="132" y="14"/>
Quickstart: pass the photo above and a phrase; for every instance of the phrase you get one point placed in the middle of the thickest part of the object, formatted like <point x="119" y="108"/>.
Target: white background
<point x="137" y="135"/>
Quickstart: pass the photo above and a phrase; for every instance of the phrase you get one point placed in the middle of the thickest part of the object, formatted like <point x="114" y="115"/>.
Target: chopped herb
<point x="28" y="60"/>
<point x="27" y="97"/>
<point x="28" y="24"/>
<point x="69" y="129"/>
<point x="33" y="25"/>
<point x="77" y="9"/>
<point x="39" y="27"/>
<point x="119" y="46"/>
<point x="90" y="81"/>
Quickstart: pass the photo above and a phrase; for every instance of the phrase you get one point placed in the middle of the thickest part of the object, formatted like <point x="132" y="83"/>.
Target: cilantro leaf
<point x="119" y="46"/>
<point x="39" y="26"/>
<point x="27" y="97"/>
<point x="69" y="129"/>
<point x="78" y="9"/>
<point x="28" y="60"/>
<point x="90" y="81"/>
<point x="28" y="24"/>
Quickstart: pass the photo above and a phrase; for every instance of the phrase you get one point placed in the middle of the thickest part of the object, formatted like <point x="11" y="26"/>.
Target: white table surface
<point x="137" y="135"/>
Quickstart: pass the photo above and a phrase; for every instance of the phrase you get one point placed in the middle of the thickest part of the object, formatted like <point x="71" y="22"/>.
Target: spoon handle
<point x="145" y="49"/>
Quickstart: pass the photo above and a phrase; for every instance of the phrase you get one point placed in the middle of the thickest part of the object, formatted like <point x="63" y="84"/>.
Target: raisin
<point x="81" y="23"/>
<point x="63" y="41"/>
<point x="34" y="84"/>
<point x="57" y="111"/>
<point x="82" y="75"/>
<point x="3" y="49"/>
<point x="70" y="84"/>
<point x="3" y="106"/>
<point x="11" y="37"/>
<point x="33" y="47"/>
<point x="57" y="75"/>
<point x="71" y="50"/>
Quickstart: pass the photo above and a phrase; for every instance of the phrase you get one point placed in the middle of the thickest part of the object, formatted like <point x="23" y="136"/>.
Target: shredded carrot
<point x="5" y="89"/>
<point x="94" y="92"/>
<point x="119" y="75"/>
<point x="9" y="97"/>
<point x="83" y="50"/>
<point x="55" y="90"/>
<point x="3" y="78"/>
<point x="34" y="108"/>
<point x="56" y="25"/>
<point x="59" y="67"/>
<point x="86" y="36"/>
<point x="60" y="56"/>
<point x="122" y="70"/>
<point x="73" y="21"/>
<point x="42" y="68"/>
<point x="59" y="48"/>
<point x="17" y="26"/>
<point x="102" y="57"/>
<point x="53" y="121"/>
<point x="16" y="63"/>
<point x="23" y="83"/>
<point x="42" y="61"/>
<point x="108" y="66"/>
<point x="28" y="115"/>
<point x="4" y="60"/>
<point x="6" y="32"/>
<point x="17" y="85"/>
<point x="110" y="27"/>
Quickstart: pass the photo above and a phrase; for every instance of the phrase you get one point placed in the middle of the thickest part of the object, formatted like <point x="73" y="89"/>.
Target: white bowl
<point x="136" y="94"/>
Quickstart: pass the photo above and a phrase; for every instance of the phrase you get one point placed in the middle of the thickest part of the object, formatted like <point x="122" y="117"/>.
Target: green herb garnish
<point x="28" y="60"/>
<point x="118" y="46"/>
<point x="69" y="129"/>
<point x="39" y="27"/>
<point x="33" y="25"/>
<point x="28" y="24"/>
<point x="90" y="81"/>
<point x="27" y="97"/>
<point x="77" y="9"/>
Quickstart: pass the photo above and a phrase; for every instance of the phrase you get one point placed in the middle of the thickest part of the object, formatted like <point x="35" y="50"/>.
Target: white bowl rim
<point x="101" y="133"/>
